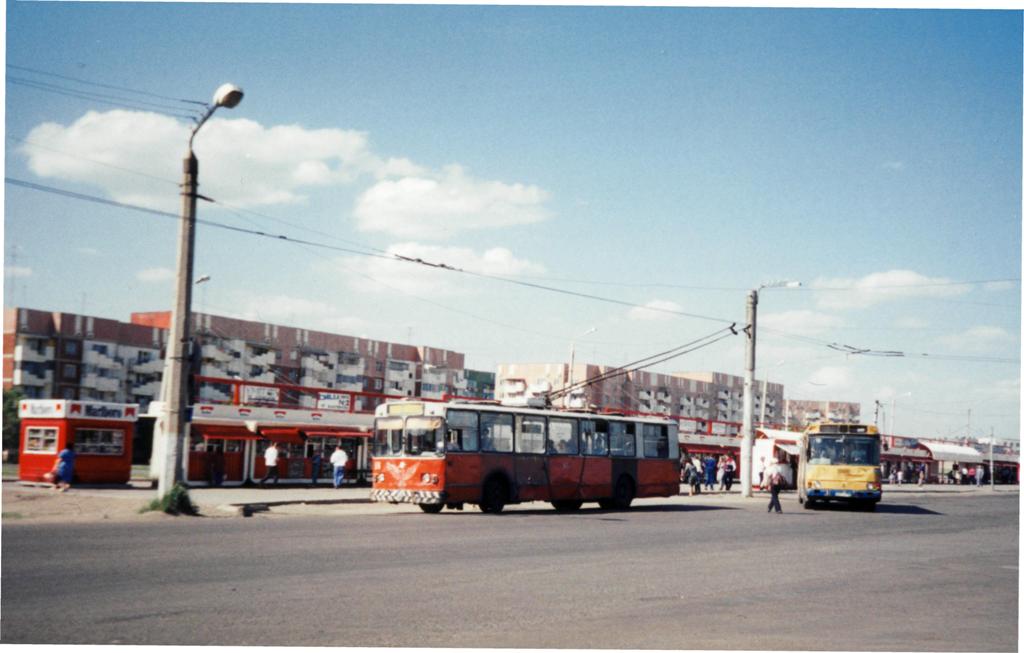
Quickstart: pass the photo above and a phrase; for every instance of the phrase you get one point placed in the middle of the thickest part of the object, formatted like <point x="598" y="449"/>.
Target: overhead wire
<point x="103" y="85"/>
<point x="94" y="97"/>
<point x="845" y="348"/>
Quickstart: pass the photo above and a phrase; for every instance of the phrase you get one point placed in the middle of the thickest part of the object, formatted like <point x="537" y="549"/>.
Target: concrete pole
<point x="747" y="450"/>
<point x="176" y="363"/>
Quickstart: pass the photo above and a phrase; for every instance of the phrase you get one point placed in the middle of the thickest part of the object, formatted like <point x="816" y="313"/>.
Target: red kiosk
<point x="101" y="432"/>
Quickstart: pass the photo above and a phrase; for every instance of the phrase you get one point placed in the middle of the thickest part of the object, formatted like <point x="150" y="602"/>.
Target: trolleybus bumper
<point x="407" y="496"/>
<point x="845" y="495"/>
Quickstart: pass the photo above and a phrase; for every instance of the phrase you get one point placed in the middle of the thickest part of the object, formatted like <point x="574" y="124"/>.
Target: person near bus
<point x="64" y="469"/>
<point x="691" y="477"/>
<point x="270" y="457"/>
<point x="720" y="474"/>
<point x="775" y="483"/>
<point x="730" y="470"/>
<point x="922" y="474"/>
<point x="339" y="459"/>
<point x="709" y="473"/>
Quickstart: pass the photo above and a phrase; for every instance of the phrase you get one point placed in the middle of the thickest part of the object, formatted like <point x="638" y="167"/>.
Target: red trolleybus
<point x="450" y="454"/>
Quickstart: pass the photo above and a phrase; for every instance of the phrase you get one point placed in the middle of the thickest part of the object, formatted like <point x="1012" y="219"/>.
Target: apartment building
<point x="63" y="355"/>
<point x="801" y="412"/>
<point x="698" y="395"/>
<point x="68" y="356"/>
<point x="479" y="385"/>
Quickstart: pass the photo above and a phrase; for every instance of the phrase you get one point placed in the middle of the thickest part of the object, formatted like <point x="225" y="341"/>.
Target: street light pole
<point x="747" y="450"/>
<point x="176" y="362"/>
<point x="747" y="446"/>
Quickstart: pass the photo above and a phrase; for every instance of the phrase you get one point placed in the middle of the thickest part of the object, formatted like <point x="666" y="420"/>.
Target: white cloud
<point x="800" y="322"/>
<point x="879" y="287"/>
<point x="297" y="311"/>
<point x="17" y="271"/>
<point x="438" y="206"/>
<point x="835" y="379"/>
<point x="975" y="340"/>
<point x="420" y="279"/>
<point x="242" y="163"/>
<point x="155" y="275"/>
<point x="654" y="310"/>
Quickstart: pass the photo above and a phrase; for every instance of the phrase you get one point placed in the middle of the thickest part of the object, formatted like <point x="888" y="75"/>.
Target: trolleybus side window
<point x="387" y="436"/>
<point x="496" y="432"/>
<point x="463" y="431"/>
<point x="530" y="436"/>
<point x="622" y="436"/>
<point x="562" y="436"/>
<point x="655" y="441"/>
<point x="593" y="437"/>
<point x="422" y="435"/>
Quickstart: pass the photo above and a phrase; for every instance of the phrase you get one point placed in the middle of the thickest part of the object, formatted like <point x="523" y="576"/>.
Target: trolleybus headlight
<point x="433" y="479"/>
<point x="380" y="478"/>
<point x="425" y="478"/>
<point x="817" y="485"/>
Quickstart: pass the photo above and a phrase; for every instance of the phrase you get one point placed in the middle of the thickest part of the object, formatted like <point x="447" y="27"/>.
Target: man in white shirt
<point x="270" y="460"/>
<point x="339" y="459"/>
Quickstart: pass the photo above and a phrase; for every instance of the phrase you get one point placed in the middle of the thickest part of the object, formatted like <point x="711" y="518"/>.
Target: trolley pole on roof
<point x="176" y="361"/>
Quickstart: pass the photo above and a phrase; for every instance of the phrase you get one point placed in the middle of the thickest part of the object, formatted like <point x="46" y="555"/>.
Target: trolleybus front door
<point x="530" y="458"/>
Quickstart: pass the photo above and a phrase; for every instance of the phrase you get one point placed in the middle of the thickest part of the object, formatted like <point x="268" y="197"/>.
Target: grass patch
<point x="12" y="515"/>
<point x="176" y="502"/>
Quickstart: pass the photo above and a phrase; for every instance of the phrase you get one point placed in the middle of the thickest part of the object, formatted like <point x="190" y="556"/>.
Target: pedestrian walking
<point x="709" y="473"/>
<point x="775" y="483"/>
<point x="899" y="476"/>
<point x="979" y="475"/>
<point x="270" y="457"/>
<point x="316" y="461"/>
<point x="720" y="474"/>
<point x="691" y="477"/>
<point x="339" y="459"/>
<point x="730" y="470"/>
<point x="922" y="473"/>
<point x="64" y="468"/>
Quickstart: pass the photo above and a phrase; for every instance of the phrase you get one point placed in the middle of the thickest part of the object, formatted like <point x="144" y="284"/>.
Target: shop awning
<point x="954" y="453"/>
<point x="336" y="434"/>
<point x="288" y="436"/>
<point x="221" y="432"/>
<point x="791" y="449"/>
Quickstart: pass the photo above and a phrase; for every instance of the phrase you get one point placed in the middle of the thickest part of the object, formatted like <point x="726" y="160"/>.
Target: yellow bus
<point x="839" y="462"/>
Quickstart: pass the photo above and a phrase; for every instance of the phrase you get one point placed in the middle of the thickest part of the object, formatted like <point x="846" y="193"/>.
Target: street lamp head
<point x="227" y="96"/>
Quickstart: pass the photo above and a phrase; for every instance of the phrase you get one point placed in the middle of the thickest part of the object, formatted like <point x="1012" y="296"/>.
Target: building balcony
<point x="355" y="369"/>
<point x="724" y="394"/>
<point x="266" y="377"/>
<point x="214" y="395"/>
<point x="152" y="366"/>
<point x="316" y="381"/>
<point x="30" y="355"/>
<point x="26" y="378"/>
<point x="395" y="376"/>
<point x="96" y="359"/>
<point x="215" y="353"/>
<point x="264" y="359"/>
<point x="150" y="389"/>
<point x="100" y="383"/>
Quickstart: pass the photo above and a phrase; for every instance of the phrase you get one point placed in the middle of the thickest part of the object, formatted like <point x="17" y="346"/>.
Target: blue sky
<point x="674" y="156"/>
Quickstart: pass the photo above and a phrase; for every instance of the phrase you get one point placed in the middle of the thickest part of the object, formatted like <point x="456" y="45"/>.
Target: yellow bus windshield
<point x="843" y="450"/>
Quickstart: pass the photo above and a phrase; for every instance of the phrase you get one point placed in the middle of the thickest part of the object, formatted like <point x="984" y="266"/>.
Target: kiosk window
<point x="531" y="437"/>
<point x="40" y="440"/>
<point x="496" y="432"/>
<point x="99" y="442"/>
<point x="463" y="431"/>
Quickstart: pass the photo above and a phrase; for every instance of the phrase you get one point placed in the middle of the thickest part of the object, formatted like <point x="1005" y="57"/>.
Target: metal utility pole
<point x="176" y="361"/>
<point x="991" y="459"/>
<point x="747" y="449"/>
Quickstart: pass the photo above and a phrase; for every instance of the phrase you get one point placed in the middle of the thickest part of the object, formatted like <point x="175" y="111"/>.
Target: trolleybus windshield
<point x="843" y="450"/>
<point x="411" y="436"/>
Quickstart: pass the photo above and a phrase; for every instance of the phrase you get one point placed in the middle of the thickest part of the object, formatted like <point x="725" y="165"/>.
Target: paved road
<point x="929" y="572"/>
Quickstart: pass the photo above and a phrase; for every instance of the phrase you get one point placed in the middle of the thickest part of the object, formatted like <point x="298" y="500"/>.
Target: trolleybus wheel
<point x="431" y="508"/>
<point x="809" y="504"/>
<point x="623" y="493"/>
<point x="495" y="496"/>
<point x="567" y="505"/>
